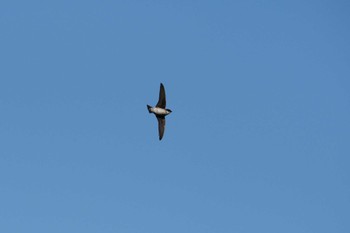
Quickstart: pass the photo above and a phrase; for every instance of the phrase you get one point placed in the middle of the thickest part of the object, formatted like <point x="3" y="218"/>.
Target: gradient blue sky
<point x="259" y="137"/>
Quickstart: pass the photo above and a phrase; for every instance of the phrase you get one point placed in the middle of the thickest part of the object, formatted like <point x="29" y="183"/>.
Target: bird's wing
<point x="161" y="126"/>
<point x="162" y="101"/>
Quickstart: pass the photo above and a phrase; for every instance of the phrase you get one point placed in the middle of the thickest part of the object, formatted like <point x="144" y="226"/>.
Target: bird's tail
<point x="149" y="108"/>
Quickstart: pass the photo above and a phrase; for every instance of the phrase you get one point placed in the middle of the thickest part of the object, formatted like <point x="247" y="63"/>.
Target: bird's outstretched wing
<point x="161" y="126"/>
<point x="162" y="101"/>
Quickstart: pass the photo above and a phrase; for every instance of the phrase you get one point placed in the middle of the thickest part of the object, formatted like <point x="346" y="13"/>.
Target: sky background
<point x="259" y="136"/>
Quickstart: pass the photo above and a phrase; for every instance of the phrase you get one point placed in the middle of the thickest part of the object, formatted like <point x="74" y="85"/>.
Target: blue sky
<point x="258" y="140"/>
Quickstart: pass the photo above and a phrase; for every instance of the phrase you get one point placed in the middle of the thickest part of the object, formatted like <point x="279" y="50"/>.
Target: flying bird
<point x="160" y="111"/>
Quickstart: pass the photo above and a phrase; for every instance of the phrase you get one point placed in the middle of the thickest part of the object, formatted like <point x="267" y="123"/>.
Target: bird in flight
<point x="160" y="111"/>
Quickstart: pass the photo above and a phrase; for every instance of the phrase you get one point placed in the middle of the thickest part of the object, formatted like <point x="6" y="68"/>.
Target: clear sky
<point x="259" y="136"/>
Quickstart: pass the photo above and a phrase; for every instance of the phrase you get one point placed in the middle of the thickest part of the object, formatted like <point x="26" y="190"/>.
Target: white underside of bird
<point x="160" y="111"/>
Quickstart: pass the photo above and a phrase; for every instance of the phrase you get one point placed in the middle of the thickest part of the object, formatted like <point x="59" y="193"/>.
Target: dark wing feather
<point x="162" y="101"/>
<point x="161" y="126"/>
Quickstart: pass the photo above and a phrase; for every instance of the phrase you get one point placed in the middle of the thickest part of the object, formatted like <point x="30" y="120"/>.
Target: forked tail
<point x="149" y="108"/>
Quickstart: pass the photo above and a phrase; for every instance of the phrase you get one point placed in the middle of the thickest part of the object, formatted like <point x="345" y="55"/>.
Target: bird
<point x="160" y="111"/>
